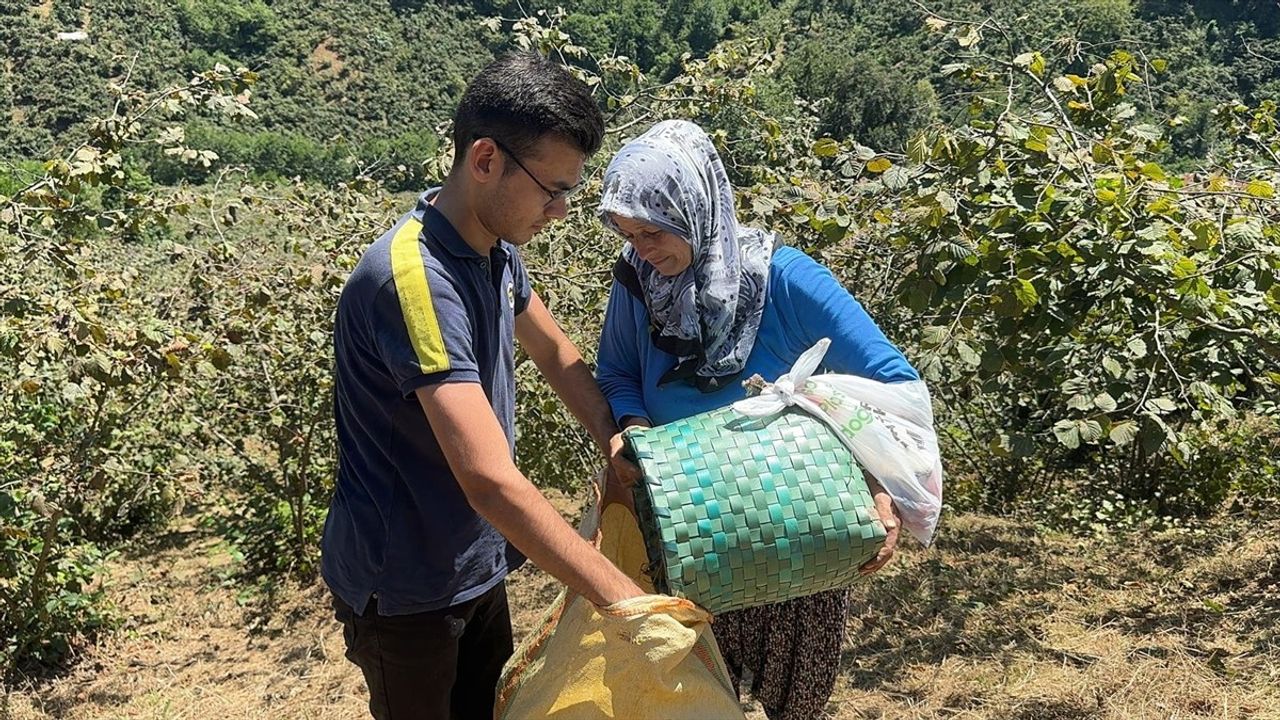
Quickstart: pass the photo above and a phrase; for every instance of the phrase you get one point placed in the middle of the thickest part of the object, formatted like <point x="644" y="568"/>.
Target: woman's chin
<point x="664" y="267"/>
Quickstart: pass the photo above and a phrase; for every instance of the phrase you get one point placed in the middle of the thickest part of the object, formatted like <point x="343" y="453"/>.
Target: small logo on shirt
<point x="511" y="296"/>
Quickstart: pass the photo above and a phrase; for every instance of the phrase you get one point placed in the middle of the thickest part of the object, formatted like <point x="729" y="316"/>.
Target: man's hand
<point x="889" y="517"/>
<point x="627" y="472"/>
<point x="475" y="446"/>
<point x="617" y="491"/>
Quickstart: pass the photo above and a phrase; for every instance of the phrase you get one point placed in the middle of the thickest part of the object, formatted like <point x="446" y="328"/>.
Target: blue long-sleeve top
<point x="804" y="304"/>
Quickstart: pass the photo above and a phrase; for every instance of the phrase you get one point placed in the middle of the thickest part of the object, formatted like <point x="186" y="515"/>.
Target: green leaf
<point x="879" y="165"/>
<point x="1123" y="433"/>
<point x="1000" y="446"/>
<point x="1080" y="402"/>
<point x="992" y="360"/>
<point x="826" y="147"/>
<point x="1245" y="227"/>
<point x="916" y="295"/>
<point x="1153" y="435"/>
<point x="1013" y="445"/>
<point x="1067" y="433"/>
<point x="946" y="201"/>
<point x="1163" y="205"/>
<point x="1022" y="444"/>
<point x="1064" y="84"/>
<point x="832" y="230"/>
<point x="935" y="335"/>
<point x="1104" y="402"/>
<point x="1159" y="65"/>
<point x="1137" y="348"/>
<point x="1206" y="233"/>
<point x="1090" y="430"/>
<point x="1156" y="232"/>
<point x="1261" y="189"/>
<point x="1160" y="406"/>
<point x="967" y="354"/>
<point x="220" y="358"/>
<point x="1075" y="385"/>
<point x="1112" y="367"/>
<point x="763" y="205"/>
<point x="1184" y="267"/>
<point x="896" y="177"/>
<point x="969" y="37"/>
<point x="1037" y="65"/>
<point x="1026" y="293"/>
<point x="1154" y="172"/>
<point x="1147" y="131"/>
<point x="918" y="148"/>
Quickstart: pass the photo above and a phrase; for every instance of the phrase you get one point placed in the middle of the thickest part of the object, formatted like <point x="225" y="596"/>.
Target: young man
<point x="430" y="513"/>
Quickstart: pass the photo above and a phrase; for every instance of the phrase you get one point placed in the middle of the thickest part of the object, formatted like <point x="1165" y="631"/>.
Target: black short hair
<point x="520" y="97"/>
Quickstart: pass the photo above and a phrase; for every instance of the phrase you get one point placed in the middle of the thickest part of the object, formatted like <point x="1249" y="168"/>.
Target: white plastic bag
<point x="887" y="426"/>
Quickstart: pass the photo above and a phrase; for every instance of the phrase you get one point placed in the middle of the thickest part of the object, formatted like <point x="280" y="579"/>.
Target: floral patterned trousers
<point x="792" y="649"/>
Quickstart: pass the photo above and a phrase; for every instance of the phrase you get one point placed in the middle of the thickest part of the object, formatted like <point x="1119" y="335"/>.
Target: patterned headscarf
<point x="707" y="316"/>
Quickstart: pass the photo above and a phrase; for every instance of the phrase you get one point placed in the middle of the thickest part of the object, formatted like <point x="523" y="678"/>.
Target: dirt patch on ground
<point x="324" y="60"/>
<point x="192" y="649"/>
<point x="996" y="621"/>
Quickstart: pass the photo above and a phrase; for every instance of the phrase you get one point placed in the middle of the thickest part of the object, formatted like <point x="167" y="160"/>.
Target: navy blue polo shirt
<point x="420" y="308"/>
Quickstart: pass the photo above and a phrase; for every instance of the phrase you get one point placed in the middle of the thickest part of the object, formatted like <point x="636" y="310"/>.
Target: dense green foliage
<point x="350" y="87"/>
<point x="1099" y="328"/>
<point x="346" y="86"/>
<point x="91" y="446"/>
<point x="882" y="68"/>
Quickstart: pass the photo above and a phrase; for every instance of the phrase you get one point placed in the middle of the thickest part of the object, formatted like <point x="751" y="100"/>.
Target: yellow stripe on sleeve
<point x="410" y="275"/>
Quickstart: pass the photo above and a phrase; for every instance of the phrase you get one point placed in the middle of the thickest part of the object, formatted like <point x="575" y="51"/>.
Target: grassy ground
<point x="996" y="621"/>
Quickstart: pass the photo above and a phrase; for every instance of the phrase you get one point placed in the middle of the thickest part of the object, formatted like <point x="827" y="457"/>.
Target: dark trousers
<point x="437" y="665"/>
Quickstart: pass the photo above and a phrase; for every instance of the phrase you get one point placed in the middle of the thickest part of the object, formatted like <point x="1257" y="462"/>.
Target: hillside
<point x="372" y="81"/>
<point x="1080" y="252"/>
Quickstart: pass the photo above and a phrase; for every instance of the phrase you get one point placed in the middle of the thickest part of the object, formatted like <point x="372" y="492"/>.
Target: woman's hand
<point x="622" y="474"/>
<point x="892" y="522"/>
<point x="626" y="471"/>
<point x="619" y="476"/>
<point x="617" y="491"/>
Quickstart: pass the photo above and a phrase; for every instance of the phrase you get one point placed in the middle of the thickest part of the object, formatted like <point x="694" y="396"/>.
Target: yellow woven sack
<point x="647" y="658"/>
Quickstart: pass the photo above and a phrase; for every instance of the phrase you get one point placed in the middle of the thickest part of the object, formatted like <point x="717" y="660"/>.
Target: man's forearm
<point x="562" y="365"/>
<point x="515" y="507"/>
<point x="474" y="444"/>
<point x="571" y="379"/>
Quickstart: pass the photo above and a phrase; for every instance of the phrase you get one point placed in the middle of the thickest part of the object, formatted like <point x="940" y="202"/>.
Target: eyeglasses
<point x="552" y="195"/>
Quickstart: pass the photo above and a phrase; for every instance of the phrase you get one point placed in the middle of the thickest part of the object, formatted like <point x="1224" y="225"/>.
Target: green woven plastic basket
<point x="740" y="512"/>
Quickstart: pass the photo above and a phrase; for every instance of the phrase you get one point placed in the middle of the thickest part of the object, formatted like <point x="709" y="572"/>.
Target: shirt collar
<point x="438" y="228"/>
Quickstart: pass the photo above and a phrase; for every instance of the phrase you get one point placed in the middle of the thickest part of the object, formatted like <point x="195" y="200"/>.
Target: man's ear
<point x="484" y="162"/>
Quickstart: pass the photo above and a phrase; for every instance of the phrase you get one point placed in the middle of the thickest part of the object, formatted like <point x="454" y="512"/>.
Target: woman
<point x="700" y="303"/>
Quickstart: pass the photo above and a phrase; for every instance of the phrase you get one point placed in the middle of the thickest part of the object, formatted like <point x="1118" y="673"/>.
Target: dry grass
<point x="997" y="621"/>
<point x="324" y="60"/>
